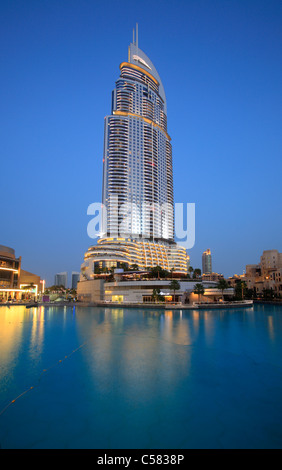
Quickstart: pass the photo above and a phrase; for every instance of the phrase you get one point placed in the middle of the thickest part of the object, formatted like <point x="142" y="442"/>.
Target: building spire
<point x="136" y="36"/>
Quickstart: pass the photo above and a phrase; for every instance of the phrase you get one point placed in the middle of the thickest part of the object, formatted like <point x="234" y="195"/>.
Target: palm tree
<point x="157" y="271"/>
<point x="197" y="273"/>
<point x="134" y="267"/>
<point x="155" y="295"/>
<point x="240" y="289"/>
<point x="174" y="285"/>
<point x="199" y="289"/>
<point x="222" y="285"/>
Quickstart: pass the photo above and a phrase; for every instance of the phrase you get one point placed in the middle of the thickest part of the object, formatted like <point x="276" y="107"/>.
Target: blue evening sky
<point x="220" y="64"/>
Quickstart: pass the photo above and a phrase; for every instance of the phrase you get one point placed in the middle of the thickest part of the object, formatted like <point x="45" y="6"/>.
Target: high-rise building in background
<point x="137" y="195"/>
<point x="61" y="279"/>
<point x="206" y="262"/>
<point x="74" y="279"/>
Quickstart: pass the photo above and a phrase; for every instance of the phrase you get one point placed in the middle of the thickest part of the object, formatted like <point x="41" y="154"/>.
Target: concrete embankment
<point x="161" y="306"/>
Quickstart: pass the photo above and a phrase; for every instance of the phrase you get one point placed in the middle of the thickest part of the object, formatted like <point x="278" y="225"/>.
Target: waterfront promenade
<point x="158" y="305"/>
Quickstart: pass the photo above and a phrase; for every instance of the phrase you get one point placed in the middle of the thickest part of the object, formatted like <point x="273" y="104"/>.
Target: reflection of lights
<point x="37" y="333"/>
<point x="270" y="327"/>
<point x="117" y="312"/>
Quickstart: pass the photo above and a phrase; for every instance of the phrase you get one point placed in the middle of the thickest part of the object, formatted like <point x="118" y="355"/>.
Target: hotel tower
<point x="137" y="194"/>
<point x="206" y="262"/>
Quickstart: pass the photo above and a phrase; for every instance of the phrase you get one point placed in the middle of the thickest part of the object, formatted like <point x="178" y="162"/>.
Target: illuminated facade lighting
<point x="206" y="262"/>
<point x="137" y="173"/>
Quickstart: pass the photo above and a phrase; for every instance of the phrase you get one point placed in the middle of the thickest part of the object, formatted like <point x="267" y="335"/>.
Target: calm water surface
<point x="75" y="378"/>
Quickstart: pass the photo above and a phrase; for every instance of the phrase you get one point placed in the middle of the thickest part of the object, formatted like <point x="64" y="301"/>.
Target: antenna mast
<point x="137" y="36"/>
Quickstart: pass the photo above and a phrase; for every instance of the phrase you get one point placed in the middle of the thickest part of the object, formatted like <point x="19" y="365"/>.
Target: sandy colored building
<point x="28" y="279"/>
<point x="233" y="280"/>
<point x="13" y="279"/>
<point x="267" y="274"/>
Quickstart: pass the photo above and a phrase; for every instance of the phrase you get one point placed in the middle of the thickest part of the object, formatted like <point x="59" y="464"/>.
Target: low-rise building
<point x="266" y="275"/>
<point x="142" y="291"/>
<point x="10" y="268"/>
<point x="233" y="280"/>
<point x="212" y="277"/>
<point x="30" y="281"/>
<point x="16" y="283"/>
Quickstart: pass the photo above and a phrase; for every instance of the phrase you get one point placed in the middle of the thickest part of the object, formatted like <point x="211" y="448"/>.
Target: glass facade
<point x="206" y="262"/>
<point x="137" y="176"/>
<point x="137" y="195"/>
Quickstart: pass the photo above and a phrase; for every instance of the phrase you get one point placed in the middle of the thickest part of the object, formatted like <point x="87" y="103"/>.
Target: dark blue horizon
<point x="220" y="66"/>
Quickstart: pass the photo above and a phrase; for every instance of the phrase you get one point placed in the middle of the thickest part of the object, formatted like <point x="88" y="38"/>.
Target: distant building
<point x="212" y="277"/>
<point x="267" y="274"/>
<point x="74" y="279"/>
<point x="233" y="280"/>
<point x="61" y="279"/>
<point x="206" y="262"/>
<point x="270" y="261"/>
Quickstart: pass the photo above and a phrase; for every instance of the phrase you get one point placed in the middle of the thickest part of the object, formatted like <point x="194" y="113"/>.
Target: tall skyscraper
<point x="137" y="177"/>
<point x="206" y="262"/>
<point x="61" y="279"/>
<point x="74" y="279"/>
<point x="137" y="195"/>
